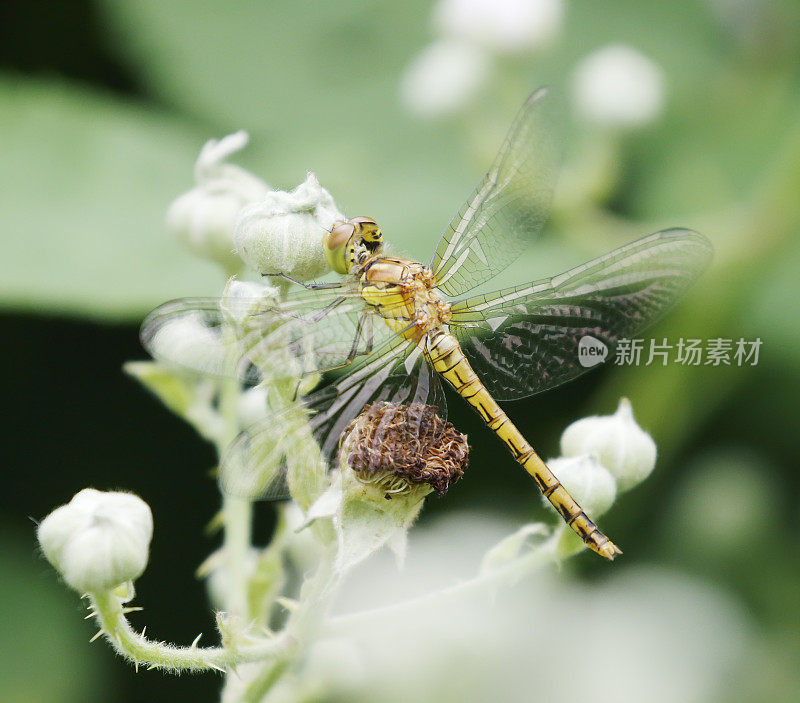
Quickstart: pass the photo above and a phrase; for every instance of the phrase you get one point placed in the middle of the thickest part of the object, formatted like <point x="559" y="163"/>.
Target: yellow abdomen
<point x="448" y="359"/>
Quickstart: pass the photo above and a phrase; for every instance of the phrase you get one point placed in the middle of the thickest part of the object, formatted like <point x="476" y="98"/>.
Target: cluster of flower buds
<point x="471" y="34"/>
<point x="232" y="217"/>
<point x="604" y="455"/>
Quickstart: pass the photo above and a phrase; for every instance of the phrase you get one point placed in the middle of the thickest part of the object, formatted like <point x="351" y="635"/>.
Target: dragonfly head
<point x="351" y="242"/>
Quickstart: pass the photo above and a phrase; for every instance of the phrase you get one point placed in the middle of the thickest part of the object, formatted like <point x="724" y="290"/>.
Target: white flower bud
<point x="98" y="540"/>
<point x="623" y="447"/>
<point x="587" y="481"/>
<point x="444" y="77"/>
<point x="190" y="342"/>
<point x="505" y="26"/>
<point x="282" y="233"/>
<point x="618" y="87"/>
<point x="242" y="298"/>
<point x="203" y="218"/>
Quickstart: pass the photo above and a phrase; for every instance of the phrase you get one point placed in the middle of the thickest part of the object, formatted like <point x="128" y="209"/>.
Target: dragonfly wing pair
<point x="252" y="338"/>
<point x="524" y="340"/>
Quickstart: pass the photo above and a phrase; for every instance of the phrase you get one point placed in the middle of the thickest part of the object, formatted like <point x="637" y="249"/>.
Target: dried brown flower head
<point x="403" y="445"/>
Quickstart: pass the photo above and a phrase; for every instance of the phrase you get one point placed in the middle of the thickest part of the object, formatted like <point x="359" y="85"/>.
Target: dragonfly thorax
<point x="405" y="294"/>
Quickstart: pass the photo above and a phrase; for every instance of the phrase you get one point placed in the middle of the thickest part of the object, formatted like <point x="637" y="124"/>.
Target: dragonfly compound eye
<point x="399" y="446"/>
<point x="336" y="245"/>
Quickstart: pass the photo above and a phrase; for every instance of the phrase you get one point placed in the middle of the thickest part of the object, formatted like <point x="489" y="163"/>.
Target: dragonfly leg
<point x="364" y="330"/>
<point x="316" y="317"/>
<point x="364" y="322"/>
<point x="307" y="286"/>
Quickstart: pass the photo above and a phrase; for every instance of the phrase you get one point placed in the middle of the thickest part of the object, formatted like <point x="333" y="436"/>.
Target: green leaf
<point x="172" y="389"/>
<point x="367" y="519"/>
<point x="317" y="86"/>
<point x="85" y="180"/>
<point x="189" y="397"/>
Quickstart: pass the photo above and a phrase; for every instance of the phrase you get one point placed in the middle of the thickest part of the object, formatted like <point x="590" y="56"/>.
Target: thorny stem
<point x="110" y="614"/>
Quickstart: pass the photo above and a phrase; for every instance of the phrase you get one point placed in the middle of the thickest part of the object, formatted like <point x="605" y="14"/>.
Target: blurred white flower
<point x="218" y="578"/>
<point x="98" y="540"/>
<point x="644" y="634"/>
<point x="622" y="447"/>
<point x="503" y="26"/>
<point x="282" y="233"/>
<point x="204" y="218"/>
<point x="252" y="405"/>
<point x="444" y="77"/>
<point x="617" y="86"/>
<point x="587" y="481"/>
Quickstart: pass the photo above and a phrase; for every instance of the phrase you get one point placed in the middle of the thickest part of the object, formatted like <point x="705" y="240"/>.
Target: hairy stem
<point x="109" y="611"/>
<point x="237" y="513"/>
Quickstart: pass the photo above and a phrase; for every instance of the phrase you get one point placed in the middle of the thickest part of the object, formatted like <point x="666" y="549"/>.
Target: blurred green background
<point x="103" y="108"/>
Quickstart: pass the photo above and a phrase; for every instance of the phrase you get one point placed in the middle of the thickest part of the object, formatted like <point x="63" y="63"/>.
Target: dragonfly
<point x="396" y="328"/>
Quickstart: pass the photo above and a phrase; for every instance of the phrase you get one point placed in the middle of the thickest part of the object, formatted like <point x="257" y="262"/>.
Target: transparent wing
<point x="524" y="340"/>
<point x="400" y="374"/>
<point x="507" y="210"/>
<point x="255" y="466"/>
<point x="247" y="338"/>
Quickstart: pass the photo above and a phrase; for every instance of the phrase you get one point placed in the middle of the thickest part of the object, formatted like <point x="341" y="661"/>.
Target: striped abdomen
<point x="448" y="359"/>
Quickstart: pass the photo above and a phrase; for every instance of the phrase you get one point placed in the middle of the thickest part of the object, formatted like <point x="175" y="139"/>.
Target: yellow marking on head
<point x="368" y="229"/>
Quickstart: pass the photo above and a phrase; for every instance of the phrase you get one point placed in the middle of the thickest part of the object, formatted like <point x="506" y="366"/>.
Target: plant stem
<point x="237" y="521"/>
<point x="237" y="513"/>
<point x="110" y="614"/>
